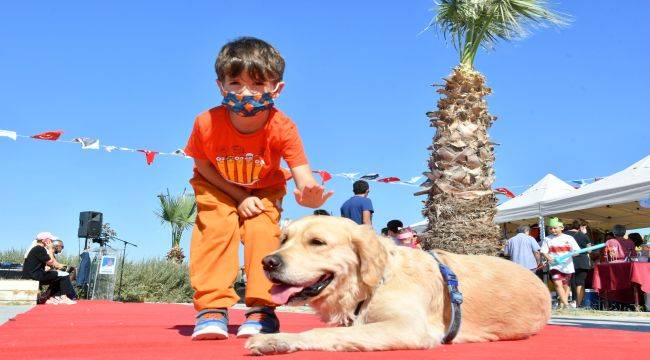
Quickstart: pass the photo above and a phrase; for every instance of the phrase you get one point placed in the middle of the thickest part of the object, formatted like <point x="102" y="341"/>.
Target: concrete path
<point x="10" y="311"/>
<point x="641" y="324"/>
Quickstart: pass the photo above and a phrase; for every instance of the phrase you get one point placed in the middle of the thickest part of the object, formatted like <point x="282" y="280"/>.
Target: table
<point x="622" y="281"/>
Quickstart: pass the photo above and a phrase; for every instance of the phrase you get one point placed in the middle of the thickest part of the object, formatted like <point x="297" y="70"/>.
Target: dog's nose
<point x="272" y="262"/>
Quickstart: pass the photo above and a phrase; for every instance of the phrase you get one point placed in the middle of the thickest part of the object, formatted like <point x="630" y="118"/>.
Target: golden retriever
<point x="334" y="265"/>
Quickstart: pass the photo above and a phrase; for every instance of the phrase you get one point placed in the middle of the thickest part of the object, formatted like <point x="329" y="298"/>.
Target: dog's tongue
<point x="280" y="294"/>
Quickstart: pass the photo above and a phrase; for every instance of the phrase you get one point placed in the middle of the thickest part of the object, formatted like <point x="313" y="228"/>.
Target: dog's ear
<point x="372" y="254"/>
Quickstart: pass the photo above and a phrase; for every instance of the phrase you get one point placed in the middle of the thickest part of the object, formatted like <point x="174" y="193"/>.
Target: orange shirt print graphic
<point x="241" y="170"/>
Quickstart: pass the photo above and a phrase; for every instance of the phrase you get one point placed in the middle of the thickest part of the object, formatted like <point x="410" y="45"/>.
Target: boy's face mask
<point x="248" y="105"/>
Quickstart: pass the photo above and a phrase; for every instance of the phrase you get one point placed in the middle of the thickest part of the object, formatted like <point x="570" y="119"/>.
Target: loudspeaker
<point x="90" y="224"/>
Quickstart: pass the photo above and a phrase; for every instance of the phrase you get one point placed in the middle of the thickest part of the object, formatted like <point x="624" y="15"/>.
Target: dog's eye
<point x="283" y="239"/>
<point x="317" y="242"/>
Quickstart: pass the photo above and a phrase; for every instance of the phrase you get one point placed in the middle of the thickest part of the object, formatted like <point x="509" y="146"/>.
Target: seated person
<point x="60" y="287"/>
<point x="57" y="248"/>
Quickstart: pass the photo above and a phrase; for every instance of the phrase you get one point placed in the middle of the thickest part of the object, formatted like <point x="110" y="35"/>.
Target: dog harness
<point x="455" y="296"/>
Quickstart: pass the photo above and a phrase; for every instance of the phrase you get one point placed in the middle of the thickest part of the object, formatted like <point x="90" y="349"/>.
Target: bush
<point x="151" y="280"/>
<point x="155" y="280"/>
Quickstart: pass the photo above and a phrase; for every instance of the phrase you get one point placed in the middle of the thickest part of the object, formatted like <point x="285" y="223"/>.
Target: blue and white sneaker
<point x="211" y="324"/>
<point x="259" y="320"/>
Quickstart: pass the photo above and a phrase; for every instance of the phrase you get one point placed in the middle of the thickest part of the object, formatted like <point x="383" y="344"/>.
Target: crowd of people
<point x="570" y="275"/>
<point x="359" y="209"/>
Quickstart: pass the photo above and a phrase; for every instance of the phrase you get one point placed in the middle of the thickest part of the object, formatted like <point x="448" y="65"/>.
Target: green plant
<point x="156" y="280"/>
<point x="179" y="213"/>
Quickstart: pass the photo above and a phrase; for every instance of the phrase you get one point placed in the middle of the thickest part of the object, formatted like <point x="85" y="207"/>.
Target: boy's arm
<point x="367" y="217"/>
<point x="308" y="193"/>
<point x="247" y="205"/>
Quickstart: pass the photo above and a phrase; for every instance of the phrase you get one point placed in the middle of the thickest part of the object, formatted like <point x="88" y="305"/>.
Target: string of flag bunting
<point x="150" y="156"/>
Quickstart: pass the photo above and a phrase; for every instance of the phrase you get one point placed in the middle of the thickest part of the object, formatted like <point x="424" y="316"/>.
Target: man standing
<point x="581" y="262"/>
<point x="358" y="208"/>
<point x="523" y="249"/>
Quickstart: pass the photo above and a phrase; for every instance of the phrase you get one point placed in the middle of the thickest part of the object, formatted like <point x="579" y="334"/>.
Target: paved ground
<point x="605" y="322"/>
<point x="641" y="324"/>
<point x="9" y="311"/>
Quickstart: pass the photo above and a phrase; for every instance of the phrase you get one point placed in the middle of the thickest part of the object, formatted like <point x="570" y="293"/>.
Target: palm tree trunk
<point x="461" y="204"/>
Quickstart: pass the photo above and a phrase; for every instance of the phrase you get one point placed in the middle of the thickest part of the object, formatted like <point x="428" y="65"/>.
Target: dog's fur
<point x="405" y="300"/>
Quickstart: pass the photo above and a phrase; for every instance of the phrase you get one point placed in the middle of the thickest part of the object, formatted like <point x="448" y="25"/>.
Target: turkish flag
<point x="49" y="135"/>
<point x="151" y="155"/>
<point x="389" y="179"/>
<point x="505" y="192"/>
<point x="324" y="176"/>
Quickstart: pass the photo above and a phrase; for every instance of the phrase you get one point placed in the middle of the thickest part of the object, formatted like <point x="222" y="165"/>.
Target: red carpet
<point x="107" y="330"/>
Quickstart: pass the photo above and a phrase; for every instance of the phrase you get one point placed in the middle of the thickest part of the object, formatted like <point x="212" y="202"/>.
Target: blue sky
<point x="570" y="101"/>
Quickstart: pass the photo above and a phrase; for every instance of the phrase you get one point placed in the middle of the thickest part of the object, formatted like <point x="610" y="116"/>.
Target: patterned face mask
<point x="247" y="105"/>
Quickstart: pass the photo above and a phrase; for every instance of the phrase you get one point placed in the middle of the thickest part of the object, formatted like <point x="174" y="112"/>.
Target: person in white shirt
<point x="554" y="245"/>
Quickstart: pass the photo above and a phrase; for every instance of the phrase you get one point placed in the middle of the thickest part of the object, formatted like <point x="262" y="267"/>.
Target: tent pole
<point x="542" y="228"/>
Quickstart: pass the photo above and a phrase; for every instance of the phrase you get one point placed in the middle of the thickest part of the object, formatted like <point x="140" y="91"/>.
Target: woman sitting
<point x="60" y="287"/>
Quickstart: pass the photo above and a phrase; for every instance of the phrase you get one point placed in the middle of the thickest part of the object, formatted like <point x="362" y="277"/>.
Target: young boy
<point x="554" y="245"/>
<point x="239" y="187"/>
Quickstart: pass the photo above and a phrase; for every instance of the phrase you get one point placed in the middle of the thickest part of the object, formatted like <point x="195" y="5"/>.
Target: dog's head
<point x="319" y="254"/>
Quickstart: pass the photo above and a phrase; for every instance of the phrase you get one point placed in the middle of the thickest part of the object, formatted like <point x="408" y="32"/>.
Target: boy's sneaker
<point x="259" y="320"/>
<point x="211" y="324"/>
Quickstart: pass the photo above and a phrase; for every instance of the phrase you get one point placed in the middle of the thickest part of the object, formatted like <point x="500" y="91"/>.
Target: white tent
<point x="419" y="226"/>
<point x="528" y="205"/>
<point x="611" y="200"/>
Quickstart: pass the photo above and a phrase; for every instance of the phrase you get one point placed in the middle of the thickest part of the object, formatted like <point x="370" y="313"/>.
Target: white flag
<point x="10" y="134"/>
<point x="87" y="143"/>
<point x="414" y="180"/>
<point x="110" y="148"/>
<point x="349" y="176"/>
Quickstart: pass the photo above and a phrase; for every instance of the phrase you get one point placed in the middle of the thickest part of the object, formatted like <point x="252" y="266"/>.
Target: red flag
<point x="151" y="155"/>
<point x="324" y="176"/>
<point x="49" y="135"/>
<point x="388" y="179"/>
<point x="505" y="192"/>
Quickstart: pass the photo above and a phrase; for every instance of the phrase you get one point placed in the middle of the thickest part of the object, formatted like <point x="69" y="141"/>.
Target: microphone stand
<point x="119" y="288"/>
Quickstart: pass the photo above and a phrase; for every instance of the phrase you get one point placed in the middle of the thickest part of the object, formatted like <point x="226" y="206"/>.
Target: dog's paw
<point x="267" y="344"/>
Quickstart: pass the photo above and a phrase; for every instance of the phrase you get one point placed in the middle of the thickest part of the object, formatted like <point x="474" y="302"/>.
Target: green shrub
<point x="155" y="280"/>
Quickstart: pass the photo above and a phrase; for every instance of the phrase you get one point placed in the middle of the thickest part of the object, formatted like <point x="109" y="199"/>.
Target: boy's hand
<point x="250" y="206"/>
<point x="312" y="196"/>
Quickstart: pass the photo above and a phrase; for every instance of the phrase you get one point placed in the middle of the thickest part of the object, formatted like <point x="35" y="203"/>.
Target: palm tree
<point x="461" y="204"/>
<point x="179" y="212"/>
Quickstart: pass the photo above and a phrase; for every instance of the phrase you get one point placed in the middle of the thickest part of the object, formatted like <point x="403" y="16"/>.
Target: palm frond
<point x="179" y="212"/>
<point x="470" y="24"/>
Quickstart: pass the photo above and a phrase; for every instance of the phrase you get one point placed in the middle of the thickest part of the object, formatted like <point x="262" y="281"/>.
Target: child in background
<point x="239" y="186"/>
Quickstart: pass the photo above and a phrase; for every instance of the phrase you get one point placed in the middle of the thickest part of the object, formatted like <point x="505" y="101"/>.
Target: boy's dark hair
<point x="360" y="187"/>
<point x="321" y="212"/>
<point x="395" y="225"/>
<point x="260" y="60"/>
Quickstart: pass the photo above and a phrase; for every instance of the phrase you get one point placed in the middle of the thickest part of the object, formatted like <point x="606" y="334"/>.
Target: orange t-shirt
<point x="248" y="160"/>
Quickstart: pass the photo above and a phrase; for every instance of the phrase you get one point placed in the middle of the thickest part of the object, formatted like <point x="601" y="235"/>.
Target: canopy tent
<point x="609" y="201"/>
<point x="419" y="227"/>
<point x="528" y="205"/>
